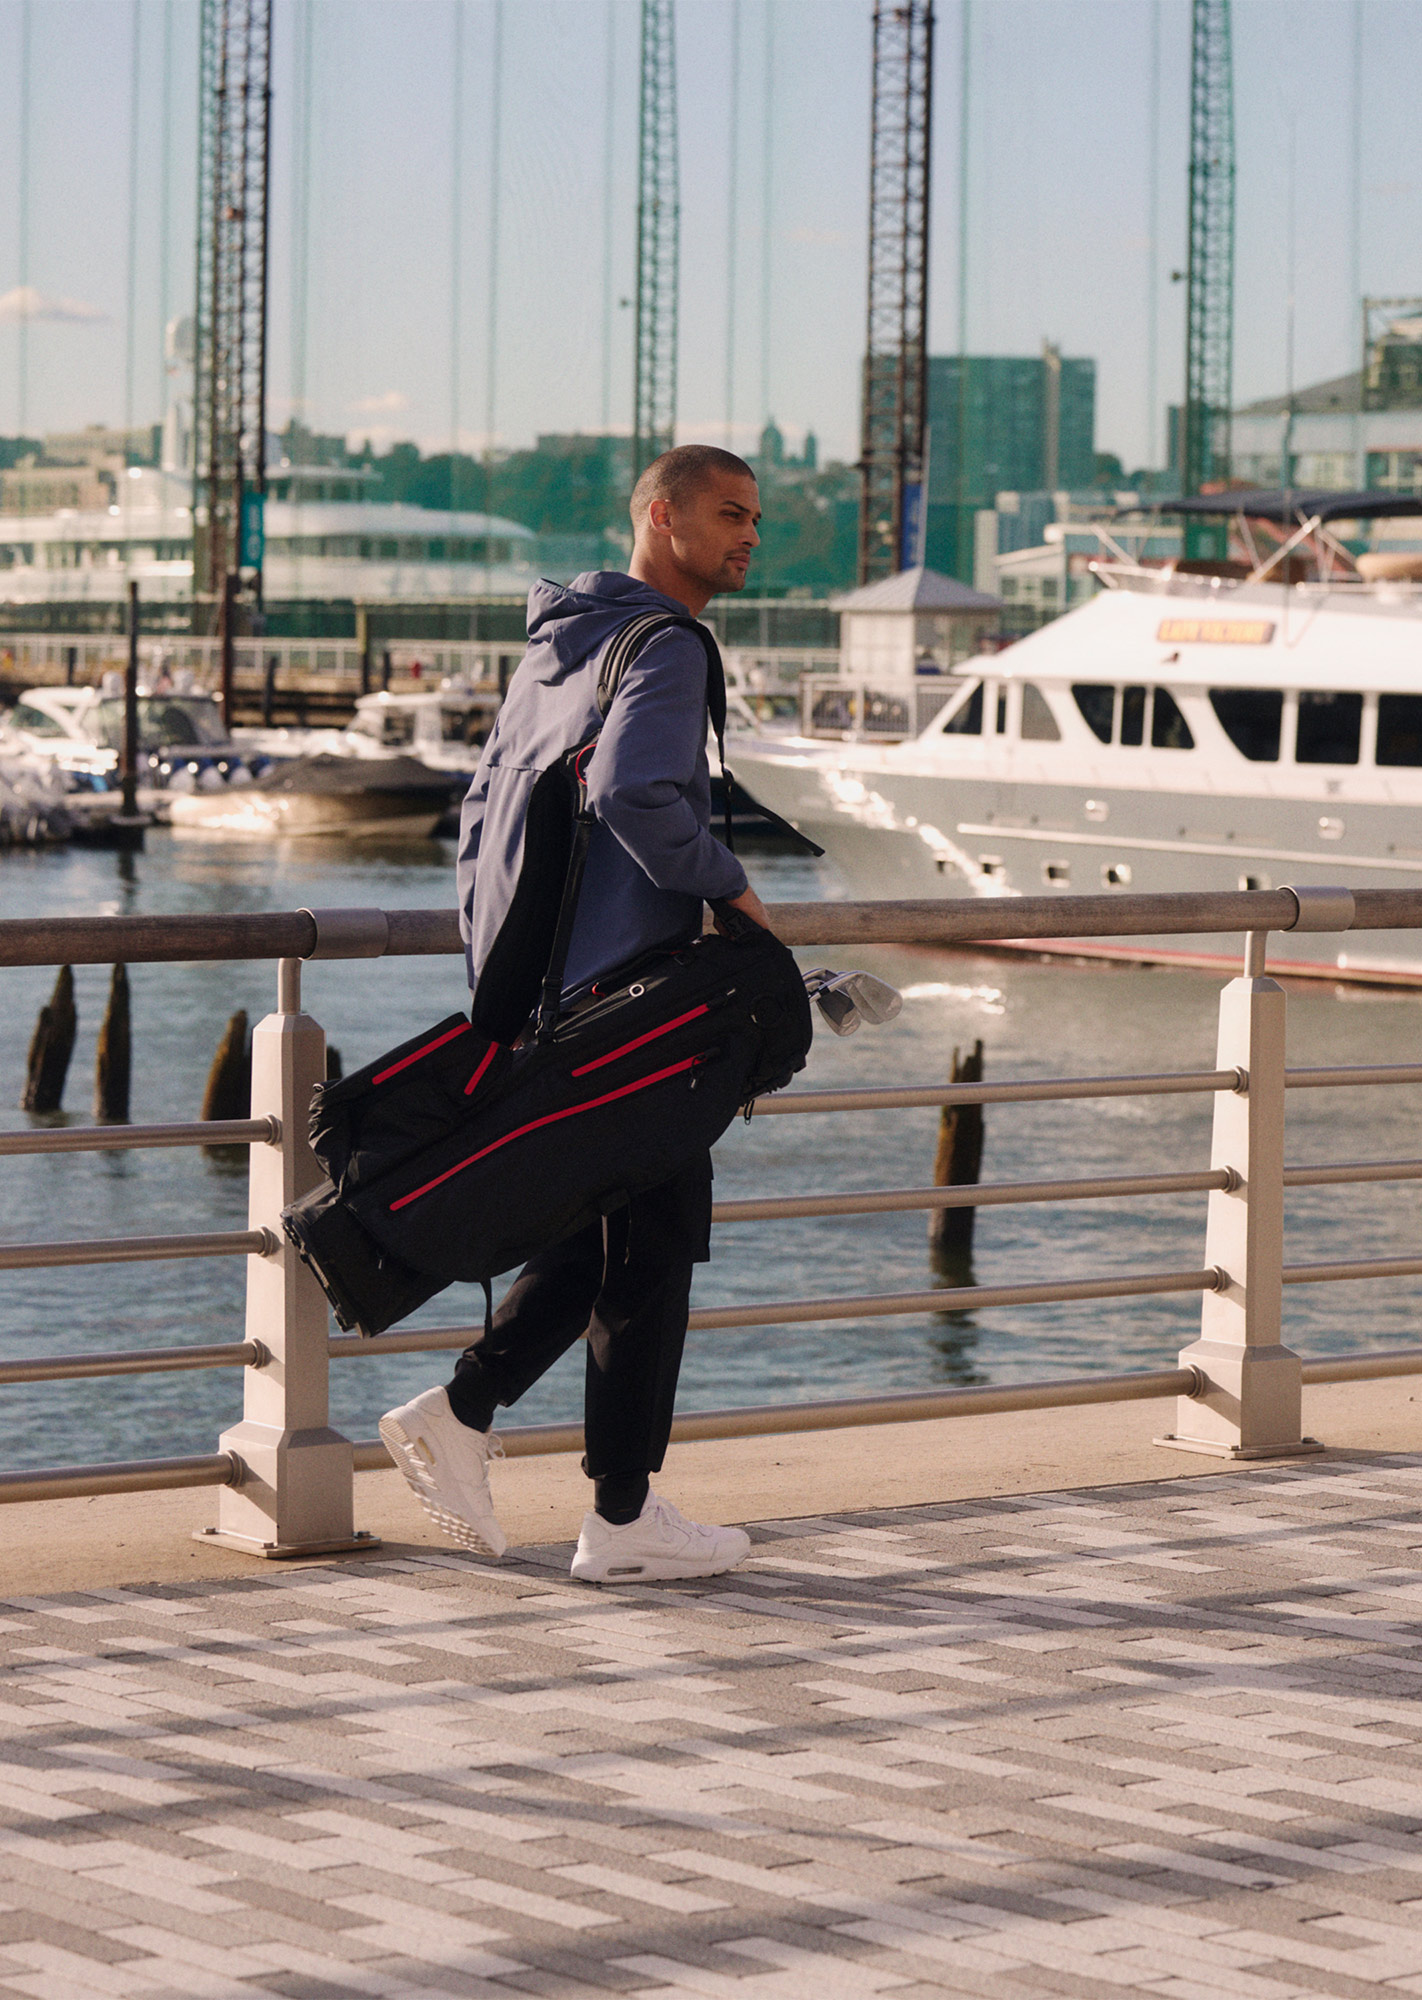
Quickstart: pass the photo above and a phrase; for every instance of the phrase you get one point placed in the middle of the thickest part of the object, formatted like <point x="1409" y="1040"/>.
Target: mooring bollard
<point x="51" y="1046"/>
<point x="957" y="1163"/>
<point x="113" y="1063"/>
<point x="297" y="1495"/>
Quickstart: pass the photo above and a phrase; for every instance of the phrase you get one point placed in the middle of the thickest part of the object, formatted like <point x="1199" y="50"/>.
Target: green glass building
<point x="1002" y="423"/>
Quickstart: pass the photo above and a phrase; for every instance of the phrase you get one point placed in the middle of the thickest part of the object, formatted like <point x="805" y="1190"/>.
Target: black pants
<point x="625" y="1281"/>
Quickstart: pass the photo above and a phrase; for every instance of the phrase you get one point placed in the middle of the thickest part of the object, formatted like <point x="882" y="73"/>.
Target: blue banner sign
<point x="910" y="540"/>
<point x="252" y="539"/>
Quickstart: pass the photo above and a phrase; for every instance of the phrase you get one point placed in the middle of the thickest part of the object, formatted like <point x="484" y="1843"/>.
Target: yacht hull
<point x="896" y="828"/>
<point x="252" y="815"/>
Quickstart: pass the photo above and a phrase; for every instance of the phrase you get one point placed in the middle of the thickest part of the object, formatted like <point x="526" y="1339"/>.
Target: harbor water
<point x="1034" y="1018"/>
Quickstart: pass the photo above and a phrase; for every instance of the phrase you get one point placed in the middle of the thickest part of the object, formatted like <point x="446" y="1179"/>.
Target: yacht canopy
<point x="1262" y="503"/>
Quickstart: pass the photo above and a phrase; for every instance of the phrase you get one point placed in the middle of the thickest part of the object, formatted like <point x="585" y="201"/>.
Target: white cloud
<point x="388" y="405"/>
<point x="25" y="303"/>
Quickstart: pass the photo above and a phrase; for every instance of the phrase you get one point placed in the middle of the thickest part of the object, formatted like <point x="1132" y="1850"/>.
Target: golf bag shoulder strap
<point x="628" y="641"/>
<point x="621" y="650"/>
<point x="624" y="647"/>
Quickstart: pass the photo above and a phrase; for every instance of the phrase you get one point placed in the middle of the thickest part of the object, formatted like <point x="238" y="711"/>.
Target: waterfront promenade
<point x="1010" y="1705"/>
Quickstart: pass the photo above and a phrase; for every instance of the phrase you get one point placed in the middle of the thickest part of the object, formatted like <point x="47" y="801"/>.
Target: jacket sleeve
<point x="650" y="752"/>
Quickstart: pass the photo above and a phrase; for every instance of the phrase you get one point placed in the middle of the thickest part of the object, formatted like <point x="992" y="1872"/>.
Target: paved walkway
<point x="1156" y="1739"/>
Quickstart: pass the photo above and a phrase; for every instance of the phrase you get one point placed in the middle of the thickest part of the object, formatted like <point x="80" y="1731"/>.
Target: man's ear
<point x="659" y="516"/>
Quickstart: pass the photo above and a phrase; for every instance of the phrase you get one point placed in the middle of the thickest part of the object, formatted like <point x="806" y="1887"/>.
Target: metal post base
<point x="1303" y="1448"/>
<point x="361" y="1543"/>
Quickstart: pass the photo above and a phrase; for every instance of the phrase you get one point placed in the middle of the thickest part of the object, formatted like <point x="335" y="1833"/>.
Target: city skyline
<point x="1060" y="184"/>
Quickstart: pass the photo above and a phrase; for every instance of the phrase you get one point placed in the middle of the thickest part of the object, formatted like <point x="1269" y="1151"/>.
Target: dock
<point x="1010" y="1705"/>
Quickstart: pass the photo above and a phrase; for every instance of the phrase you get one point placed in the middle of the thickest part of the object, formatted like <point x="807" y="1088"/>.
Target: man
<point x="652" y="865"/>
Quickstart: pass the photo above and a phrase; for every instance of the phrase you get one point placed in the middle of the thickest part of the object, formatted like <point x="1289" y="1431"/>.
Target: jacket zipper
<point x="551" y="1118"/>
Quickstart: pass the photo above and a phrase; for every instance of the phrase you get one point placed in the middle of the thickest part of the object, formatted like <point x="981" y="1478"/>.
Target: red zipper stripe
<point x="552" y="1118"/>
<point x="473" y="1083"/>
<point x="650" y="1036"/>
<point x="428" y="1049"/>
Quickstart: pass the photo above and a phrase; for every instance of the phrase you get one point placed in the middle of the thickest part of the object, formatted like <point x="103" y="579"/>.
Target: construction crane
<point x="230" y="371"/>
<point x="658" y="238"/>
<point x="1209" y="272"/>
<point x="891" y="453"/>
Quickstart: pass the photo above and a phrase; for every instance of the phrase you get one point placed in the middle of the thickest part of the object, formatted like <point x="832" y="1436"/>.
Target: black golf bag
<point x="465" y="1150"/>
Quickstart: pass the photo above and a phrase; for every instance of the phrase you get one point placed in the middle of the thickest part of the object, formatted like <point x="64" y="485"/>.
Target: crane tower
<point x="1209" y="290"/>
<point x="658" y="238"/>
<point x="230" y="373"/>
<point x="894" y="405"/>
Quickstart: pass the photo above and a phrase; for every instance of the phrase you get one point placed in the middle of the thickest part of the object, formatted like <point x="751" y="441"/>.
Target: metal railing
<point x="285" y="1476"/>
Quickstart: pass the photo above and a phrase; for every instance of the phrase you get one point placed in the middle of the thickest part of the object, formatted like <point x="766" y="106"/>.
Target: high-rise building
<point x="1002" y="422"/>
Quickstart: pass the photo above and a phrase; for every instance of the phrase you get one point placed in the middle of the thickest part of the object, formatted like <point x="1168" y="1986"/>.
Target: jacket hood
<point x="567" y="623"/>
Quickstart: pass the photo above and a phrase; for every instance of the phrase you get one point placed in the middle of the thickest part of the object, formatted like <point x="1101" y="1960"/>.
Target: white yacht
<point x="1178" y="732"/>
<point x="444" y="727"/>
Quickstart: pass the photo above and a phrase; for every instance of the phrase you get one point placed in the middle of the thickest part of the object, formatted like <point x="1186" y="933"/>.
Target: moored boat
<point x="351" y="797"/>
<point x="1177" y="732"/>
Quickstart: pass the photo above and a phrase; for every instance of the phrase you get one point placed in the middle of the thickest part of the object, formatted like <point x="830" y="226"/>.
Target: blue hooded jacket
<point x="653" y="860"/>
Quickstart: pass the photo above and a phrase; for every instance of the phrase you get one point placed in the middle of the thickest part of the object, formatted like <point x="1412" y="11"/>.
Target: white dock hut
<point x="918" y="622"/>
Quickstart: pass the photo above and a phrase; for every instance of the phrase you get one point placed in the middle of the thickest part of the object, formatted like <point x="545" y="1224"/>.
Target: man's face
<point x="713" y="533"/>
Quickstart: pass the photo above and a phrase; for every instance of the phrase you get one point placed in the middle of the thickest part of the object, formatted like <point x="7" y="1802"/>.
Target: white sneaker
<point x="446" y="1464"/>
<point x="660" y="1545"/>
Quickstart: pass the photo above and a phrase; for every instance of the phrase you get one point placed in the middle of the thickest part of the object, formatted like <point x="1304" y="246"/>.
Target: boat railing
<point x="285" y="1476"/>
<point x="1161" y="580"/>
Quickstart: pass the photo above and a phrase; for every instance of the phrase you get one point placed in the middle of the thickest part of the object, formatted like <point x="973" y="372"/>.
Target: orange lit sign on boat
<point x="1215" y="631"/>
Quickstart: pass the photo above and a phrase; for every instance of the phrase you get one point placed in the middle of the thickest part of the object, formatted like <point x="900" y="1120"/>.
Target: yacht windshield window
<point x="1039" y="725"/>
<point x="1168" y="728"/>
<point x="462" y="725"/>
<point x="398" y="728"/>
<point x="967" y="720"/>
<point x="1330" y="726"/>
<point x="1133" y="717"/>
<point x="34" y="720"/>
<point x="1097" y="703"/>
<point x="1252" y="719"/>
<point x="163" y="723"/>
<point x="1399" y="729"/>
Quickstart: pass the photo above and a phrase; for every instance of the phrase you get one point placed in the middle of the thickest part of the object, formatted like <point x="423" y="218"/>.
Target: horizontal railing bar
<point x="128" y="1138"/>
<point x="873" y="1305"/>
<point x="756" y="1420"/>
<point x="1362" y="1367"/>
<point x="137" y="1361"/>
<point x="138" y="1475"/>
<point x="981" y="1194"/>
<point x="898" y="1097"/>
<point x="249" y="1353"/>
<point x="916" y="1406"/>
<point x="1311" y="1079"/>
<point x="947" y="920"/>
<point x="1353" y="1170"/>
<point x="135" y="1249"/>
<point x="1373" y="1267"/>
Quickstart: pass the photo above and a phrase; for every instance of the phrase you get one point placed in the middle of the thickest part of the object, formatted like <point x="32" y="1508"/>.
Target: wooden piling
<point x="229" y="1081"/>
<point x="113" y="1066"/>
<point x="51" y="1046"/>
<point x="958" y="1162"/>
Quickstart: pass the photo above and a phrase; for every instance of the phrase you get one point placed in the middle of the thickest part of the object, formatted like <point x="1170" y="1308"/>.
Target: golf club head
<point x="847" y="999"/>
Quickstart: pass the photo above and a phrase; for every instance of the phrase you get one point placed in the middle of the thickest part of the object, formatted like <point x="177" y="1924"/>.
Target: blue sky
<point x="1059" y="239"/>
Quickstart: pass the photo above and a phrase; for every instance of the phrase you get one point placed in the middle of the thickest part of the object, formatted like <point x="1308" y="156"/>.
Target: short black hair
<point x="680" y="472"/>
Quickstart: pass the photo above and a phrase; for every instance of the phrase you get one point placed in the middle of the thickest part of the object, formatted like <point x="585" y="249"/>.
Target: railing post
<point x="1251" y="1402"/>
<point x="297" y="1495"/>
